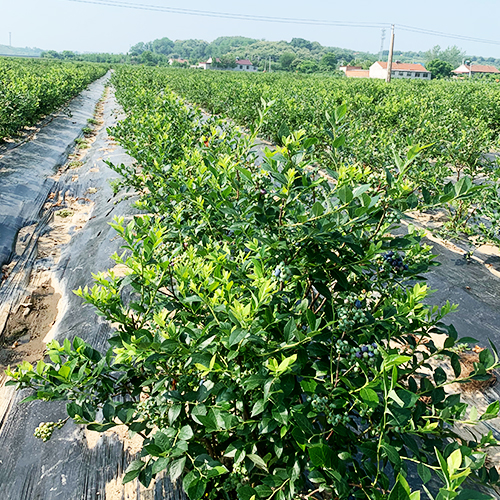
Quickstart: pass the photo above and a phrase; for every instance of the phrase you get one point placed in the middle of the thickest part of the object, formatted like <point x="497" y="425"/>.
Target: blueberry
<point x="358" y="304"/>
<point x="358" y="354"/>
<point x="371" y="354"/>
<point x="364" y="348"/>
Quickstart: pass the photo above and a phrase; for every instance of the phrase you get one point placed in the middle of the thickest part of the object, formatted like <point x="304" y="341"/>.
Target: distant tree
<point x="148" y="58"/>
<point x="329" y="60"/>
<point x="452" y="55"/>
<point x="137" y="49"/>
<point x="301" y="43"/>
<point x="68" y="54"/>
<point x="191" y="49"/>
<point x="308" y="67"/>
<point x="162" y="46"/>
<point x="225" y="44"/>
<point x="286" y="60"/>
<point x="344" y="57"/>
<point x="51" y="54"/>
<point x="439" y="69"/>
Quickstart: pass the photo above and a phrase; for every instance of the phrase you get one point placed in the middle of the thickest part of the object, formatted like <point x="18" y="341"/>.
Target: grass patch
<point x="64" y="213"/>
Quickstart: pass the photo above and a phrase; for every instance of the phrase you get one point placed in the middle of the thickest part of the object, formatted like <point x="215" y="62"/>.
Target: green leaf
<point x="395" y="360"/>
<point x="454" y="461"/>
<point x="246" y="492"/>
<point x="160" y="464"/>
<point x="392" y="454"/>
<point x="486" y="358"/>
<point x="369" y="396"/>
<point x="176" y="469"/>
<point x="186" y="433"/>
<point x="398" y="493"/>
<point x="237" y="335"/>
<point x="455" y="364"/>
<point x="321" y="455"/>
<point x="360" y="190"/>
<point x="133" y="471"/>
<point x="472" y="495"/>
<point x="263" y="491"/>
<point x="257" y="461"/>
<point x="258" y="408"/>
<point x="345" y="194"/>
<point x="196" y="489"/>
<point x="73" y="410"/>
<point x="340" y="112"/>
<point x="173" y="412"/>
<point x="491" y="411"/>
<point x="439" y="376"/>
<point x="317" y="209"/>
<point x="101" y="427"/>
<point x="424" y="473"/>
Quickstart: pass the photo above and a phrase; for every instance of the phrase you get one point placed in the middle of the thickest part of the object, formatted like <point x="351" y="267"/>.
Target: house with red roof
<point x="244" y="65"/>
<point x="355" y="72"/>
<point x="179" y="60"/>
<point x="399" y="70"/>
<point x="475" y="69"/>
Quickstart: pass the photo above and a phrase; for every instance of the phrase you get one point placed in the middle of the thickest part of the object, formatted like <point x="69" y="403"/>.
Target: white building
<point x="399" y="70"/>
<point x="244" y="65"/>
<point x="208" y="63"/>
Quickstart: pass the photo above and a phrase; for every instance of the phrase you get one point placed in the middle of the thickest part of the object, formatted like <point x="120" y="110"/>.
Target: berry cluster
<point x="45" y="429"/>
<point x="261" y="180"/>
<point x="352" y="355"/>
<point x="281" y="273"/>
<point x="366" y="412"/>
<point x="368" y="352"/>
<point x="395" y="261"/>
<point x="351" y="312"/>
<point x="322" y="404"/>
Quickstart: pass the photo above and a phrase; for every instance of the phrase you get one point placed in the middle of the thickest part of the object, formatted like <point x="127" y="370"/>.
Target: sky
<point x="85" y="27"/>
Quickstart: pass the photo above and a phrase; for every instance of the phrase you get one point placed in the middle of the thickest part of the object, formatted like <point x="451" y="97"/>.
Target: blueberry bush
<point x="459" y="120"/>
<point x="30" y="89"/>
<point x="272" y="339"/>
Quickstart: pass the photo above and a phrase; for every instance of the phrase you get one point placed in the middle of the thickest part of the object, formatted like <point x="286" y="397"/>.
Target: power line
<point x="467" y="38"/>
<point x="283" y="20"/>
<point x="228" y="15"/>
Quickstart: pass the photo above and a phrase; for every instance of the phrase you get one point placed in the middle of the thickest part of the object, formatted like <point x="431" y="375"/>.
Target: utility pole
<point x="382" y="39"/>
<point x="10" y="39"/>
<point x="389" y="61"/>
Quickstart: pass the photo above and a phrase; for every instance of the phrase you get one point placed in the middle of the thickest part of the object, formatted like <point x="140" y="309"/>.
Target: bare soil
<point x="29" y="323"/>
<point x="26" y="330"/>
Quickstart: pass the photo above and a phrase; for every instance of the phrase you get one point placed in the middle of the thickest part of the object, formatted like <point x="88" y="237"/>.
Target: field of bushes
<point x="458" y="122"/>
<point x="31" y="89"/>
<point x="272" y="339"/>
